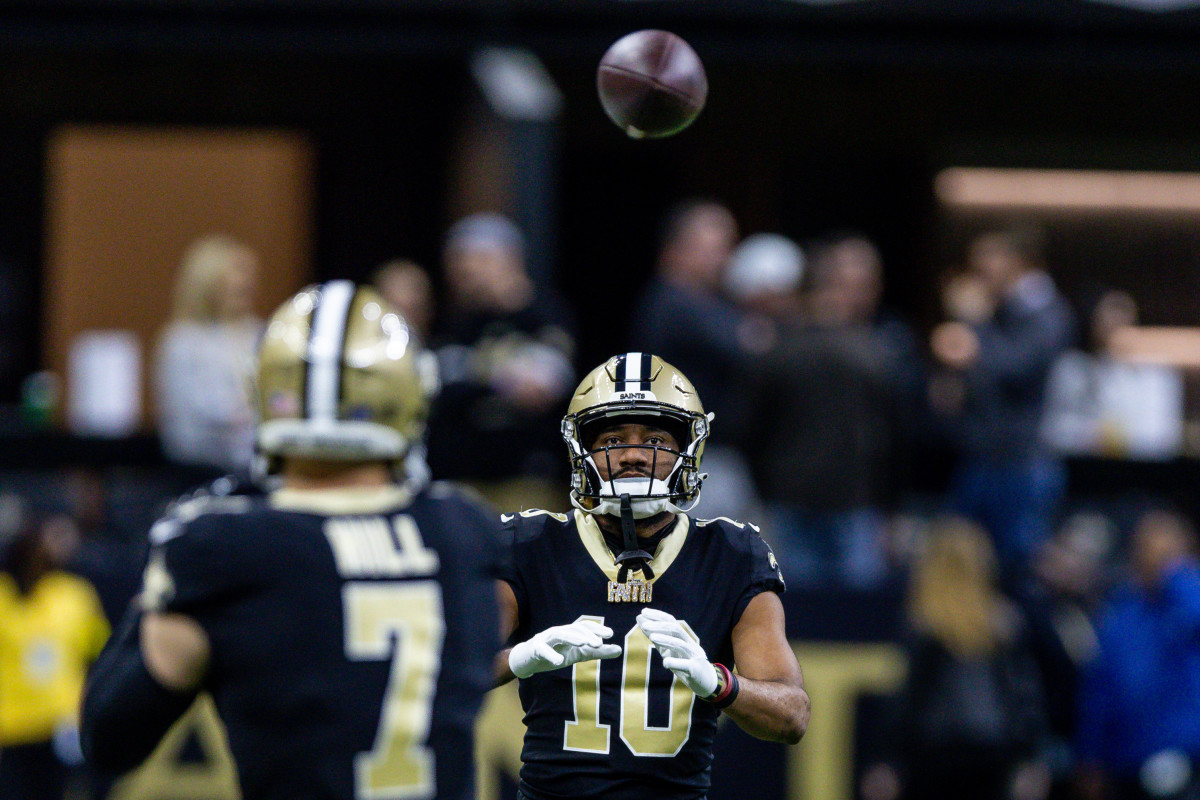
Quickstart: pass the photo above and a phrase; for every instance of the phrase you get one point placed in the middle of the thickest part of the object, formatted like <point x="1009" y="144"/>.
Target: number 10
<point x="588" y="735"/>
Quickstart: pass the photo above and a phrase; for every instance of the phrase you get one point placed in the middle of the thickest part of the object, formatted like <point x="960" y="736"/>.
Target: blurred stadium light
<point x="1068" y="190"/>
<point x="525" y="105"/>
<point x="516" y="84"/>
<point x="1152" y="5"/>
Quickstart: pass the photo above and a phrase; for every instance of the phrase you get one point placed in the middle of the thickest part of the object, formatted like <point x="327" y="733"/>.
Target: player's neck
<point x="311" y="475"/>
<point x="645" y="528"/>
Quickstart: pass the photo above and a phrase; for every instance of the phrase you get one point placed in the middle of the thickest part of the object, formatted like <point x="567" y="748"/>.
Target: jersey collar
<point x="357" y="500"/>
<point x="593" y="541"/>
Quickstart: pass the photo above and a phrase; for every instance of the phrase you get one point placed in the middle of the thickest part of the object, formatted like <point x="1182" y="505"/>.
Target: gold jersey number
<point x="401" y="621"/>
<point x="586" y="734"/>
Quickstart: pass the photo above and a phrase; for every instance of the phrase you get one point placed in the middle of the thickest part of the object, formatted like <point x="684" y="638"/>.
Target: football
<point x="651" y="84"/>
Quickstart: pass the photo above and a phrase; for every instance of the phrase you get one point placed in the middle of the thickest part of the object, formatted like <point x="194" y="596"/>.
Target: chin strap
<point x="633" y="557"/>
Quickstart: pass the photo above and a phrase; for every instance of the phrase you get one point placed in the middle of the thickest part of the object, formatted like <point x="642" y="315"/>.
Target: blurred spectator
<point x="1139" y="709"/>
<point x="763" y="280"/>
<point x="855" y="264"/>
<point x="969" y="719"/>
<point x="205" y="357"/>
<point x="52" y="628"/>
<point x="1099" y="405"/>
<point x="505" y="350"/>
<point x="1061" y="601"/>
<point x="406" y="285"/>
<point x="819" y="429"/>
<point x="111" y="560"/>
<point x="682" y="317"/>
<point x="991" y="392"/>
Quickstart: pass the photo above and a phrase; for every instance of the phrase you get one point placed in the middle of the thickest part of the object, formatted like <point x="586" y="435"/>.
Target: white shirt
<point x="1099" y="406"/>
<point x="202" y="386"/>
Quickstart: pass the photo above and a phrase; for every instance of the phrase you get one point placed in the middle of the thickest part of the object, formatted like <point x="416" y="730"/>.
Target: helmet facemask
<point x="649" y="495"/>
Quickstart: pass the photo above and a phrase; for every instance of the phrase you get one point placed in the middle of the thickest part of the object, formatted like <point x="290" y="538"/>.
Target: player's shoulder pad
<point x="532" y="522"/>
<point x="733" y="530"/>
<point x="222" y="497"/>
<point x="745" y="538"/>
<point x="725" y="523"/>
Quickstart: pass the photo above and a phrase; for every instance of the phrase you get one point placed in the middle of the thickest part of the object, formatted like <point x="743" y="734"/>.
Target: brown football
<point x="651" y="84"/>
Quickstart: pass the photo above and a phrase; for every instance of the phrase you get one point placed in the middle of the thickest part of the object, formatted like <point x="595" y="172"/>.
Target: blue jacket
<point x="1142" y="693"/>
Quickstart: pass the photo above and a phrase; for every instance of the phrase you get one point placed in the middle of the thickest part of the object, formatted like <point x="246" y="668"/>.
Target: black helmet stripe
<point x="633" y="368"/>
<point x="326" y="341"/>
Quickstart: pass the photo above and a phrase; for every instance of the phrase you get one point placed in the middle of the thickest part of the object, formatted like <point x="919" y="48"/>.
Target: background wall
<point x="123" y="204"/>
<point x="818" y="116"/>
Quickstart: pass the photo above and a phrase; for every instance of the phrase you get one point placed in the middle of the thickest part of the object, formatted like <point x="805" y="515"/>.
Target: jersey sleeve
<point x="195" y="563"/>
<point x="507" y="567"/>
<point x="125" y="712"/>
<point x="763" y="569"/>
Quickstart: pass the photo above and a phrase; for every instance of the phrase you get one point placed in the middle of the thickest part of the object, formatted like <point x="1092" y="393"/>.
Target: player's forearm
<point x="501" y="672"/>
<point x="125" y="711"/>
<point x="771" y="710"/>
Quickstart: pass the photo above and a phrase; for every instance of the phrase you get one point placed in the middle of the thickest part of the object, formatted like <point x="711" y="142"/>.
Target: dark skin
<point x="634" y="462"/>
<point x="771" y="703"/>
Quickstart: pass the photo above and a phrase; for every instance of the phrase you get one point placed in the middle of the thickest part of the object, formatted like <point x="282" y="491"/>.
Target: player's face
<point x="634" y="450"/>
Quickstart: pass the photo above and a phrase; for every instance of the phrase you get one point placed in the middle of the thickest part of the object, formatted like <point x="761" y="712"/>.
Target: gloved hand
<point x="562" y="646"/>
<point x="681" y="654"/>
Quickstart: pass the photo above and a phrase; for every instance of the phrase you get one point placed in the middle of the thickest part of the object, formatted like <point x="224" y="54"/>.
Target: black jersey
<point x="352" y="635"/>
<point x="626" y="727"/>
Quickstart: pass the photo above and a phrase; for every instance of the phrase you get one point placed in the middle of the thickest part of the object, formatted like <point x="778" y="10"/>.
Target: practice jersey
<point x="626" y="727"/>
<point x="352" y="634"/>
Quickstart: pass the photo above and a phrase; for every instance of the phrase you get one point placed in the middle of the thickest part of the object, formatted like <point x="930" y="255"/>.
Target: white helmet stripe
<point x="633" y="368"/>
<point x="325" y="342"/>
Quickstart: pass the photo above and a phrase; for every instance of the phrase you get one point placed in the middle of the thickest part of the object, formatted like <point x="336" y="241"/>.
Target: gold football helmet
<point x="341" y="378"/>
<point x="636" y="385"/>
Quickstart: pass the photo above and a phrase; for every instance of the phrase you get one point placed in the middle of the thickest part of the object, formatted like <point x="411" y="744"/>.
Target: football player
<point x="630" y="616"/>
<point x="345" y="622"/>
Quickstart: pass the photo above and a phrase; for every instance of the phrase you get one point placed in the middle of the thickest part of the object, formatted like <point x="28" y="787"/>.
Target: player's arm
<point x="766" y="697"/>
<point x="126" y="707"/>
<point x="554" y="648"/>
<point x="176" y="650"/>
<point x="771" y="702"/>
<point x="507" y="601"/>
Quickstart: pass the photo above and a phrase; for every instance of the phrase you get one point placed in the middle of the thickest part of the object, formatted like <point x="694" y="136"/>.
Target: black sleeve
<point x="125" y="712"/>
<point x="765" y="575"/>
<point x="509" y="571"/>
<point x="196" y="567"/>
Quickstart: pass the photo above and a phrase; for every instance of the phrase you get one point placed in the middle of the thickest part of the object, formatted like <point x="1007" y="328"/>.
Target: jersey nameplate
<point x="370" y="547"/>
<point x="634" y="590"/>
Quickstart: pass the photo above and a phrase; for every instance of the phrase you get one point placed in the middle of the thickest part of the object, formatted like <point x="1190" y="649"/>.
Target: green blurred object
<point x="40" y="394"/>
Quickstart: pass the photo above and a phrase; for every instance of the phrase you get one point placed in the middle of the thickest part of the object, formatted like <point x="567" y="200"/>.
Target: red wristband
<point x="727" y="687"/>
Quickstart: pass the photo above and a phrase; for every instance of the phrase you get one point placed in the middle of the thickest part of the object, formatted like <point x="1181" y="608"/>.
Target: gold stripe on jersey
<point x="593" y="541"/>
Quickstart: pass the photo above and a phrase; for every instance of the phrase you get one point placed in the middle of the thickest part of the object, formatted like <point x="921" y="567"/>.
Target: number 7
<point x="402" y="621"/>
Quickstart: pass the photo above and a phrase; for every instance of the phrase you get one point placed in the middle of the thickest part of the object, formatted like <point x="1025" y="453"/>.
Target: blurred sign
<point x="104" y="379"/>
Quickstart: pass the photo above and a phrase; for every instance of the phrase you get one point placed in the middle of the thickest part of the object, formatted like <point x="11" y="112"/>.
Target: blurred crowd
<point x="1054" y="649"/>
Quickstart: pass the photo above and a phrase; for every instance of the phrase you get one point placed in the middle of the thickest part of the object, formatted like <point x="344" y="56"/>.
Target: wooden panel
<point x="123" y="203"/>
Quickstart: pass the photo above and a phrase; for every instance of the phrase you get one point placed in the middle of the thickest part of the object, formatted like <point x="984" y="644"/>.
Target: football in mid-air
<point x="651" y="84"/>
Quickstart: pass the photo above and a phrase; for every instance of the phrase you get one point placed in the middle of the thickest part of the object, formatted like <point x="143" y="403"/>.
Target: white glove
<point x="562" y="646"/>
<point x="681" y="654"/>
